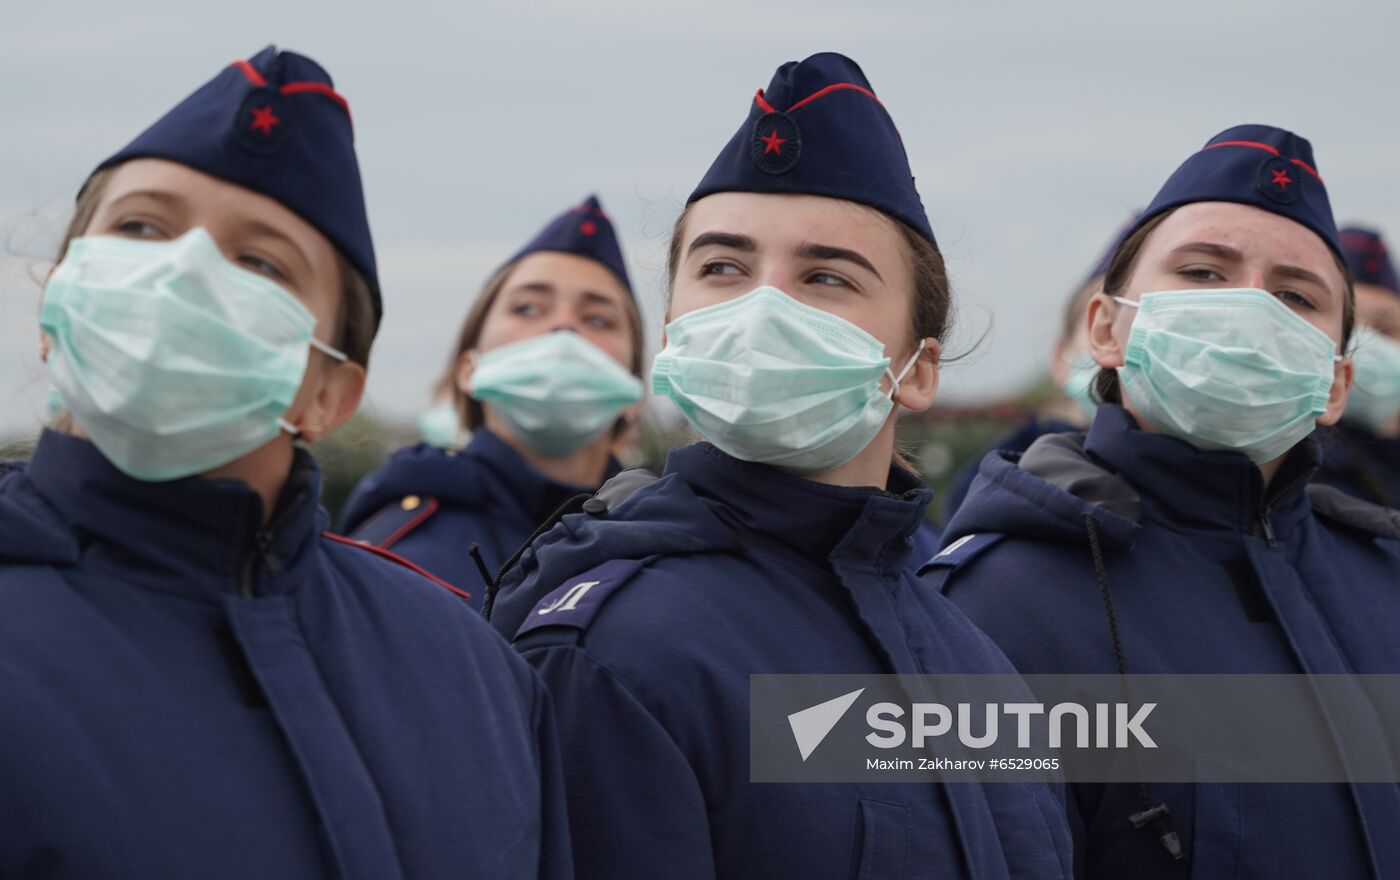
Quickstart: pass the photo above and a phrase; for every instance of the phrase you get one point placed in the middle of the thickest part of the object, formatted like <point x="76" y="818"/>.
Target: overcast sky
<point x="1033" y="129"/>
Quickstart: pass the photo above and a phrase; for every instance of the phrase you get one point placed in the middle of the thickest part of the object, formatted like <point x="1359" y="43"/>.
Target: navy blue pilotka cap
<point x="1258" y="165"/>
<point x="586" y="231"/>
<point x="1367" y="258"/>
<point x="818" y="129"/>
<point x="275" y="125"/>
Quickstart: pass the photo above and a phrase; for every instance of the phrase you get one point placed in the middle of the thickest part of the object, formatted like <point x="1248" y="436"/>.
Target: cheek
<point x="1328" y="322"/>
<point x="503" y="328"/>
<point x="617" y="342"/>
<point x="688" y="296"/>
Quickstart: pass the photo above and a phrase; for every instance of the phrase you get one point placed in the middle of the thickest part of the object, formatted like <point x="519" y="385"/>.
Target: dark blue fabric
<point x="1359" y="462"/>
<point x="925" y="543"/>
<point x="1368" y="259"/>
<point x="486" y="494"/>
<point x="586" y="231"/>
<point x="748" y="570"/>
<point x="1257" y="165"/>
<point x="1018" y="440"/>
<point x="840" y="143"/>
<point x="277" y="138"/>
<point x="1198" y="587"/>
<point x="177" y="703"/>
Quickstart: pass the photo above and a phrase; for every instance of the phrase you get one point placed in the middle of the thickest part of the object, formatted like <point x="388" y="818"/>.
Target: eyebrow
<point x="812" y="251"/>
<point x="547" y="288"/>
<point x="256" y="227"/>
<point x="807" y="250"/>
<point x="154" y="194"/>
<point x="722" y="239"/>
<point x="533" y="287"/>
<point x="601" y="299"/>
<point x="1227" y="253"/>
<point x="1301" y="274"/>
<point x="1209" y="249"/>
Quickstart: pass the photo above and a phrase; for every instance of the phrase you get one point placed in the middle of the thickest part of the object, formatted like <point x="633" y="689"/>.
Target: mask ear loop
<point x="895" y="380"/>
<point x="335" y="354"/>
<point x="325" y="349"/>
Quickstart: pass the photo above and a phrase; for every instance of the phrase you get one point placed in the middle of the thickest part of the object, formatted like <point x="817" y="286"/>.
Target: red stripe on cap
<point x="250" y="72"/>
<point x="1308" y="168"/>
<point x="834" y="88"/>
<point x="1362" y="241"/>
<point x="298" y="88"/>
<point x="1255" y="144"/>
<point x="1258" y="146"/>
<point x="395" y="558"/>
<point x="763" y="102"/>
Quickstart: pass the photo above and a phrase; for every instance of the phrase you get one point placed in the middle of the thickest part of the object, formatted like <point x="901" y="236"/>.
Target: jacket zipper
<point x="1266" y="513"/>
<point x="260" y="553"/>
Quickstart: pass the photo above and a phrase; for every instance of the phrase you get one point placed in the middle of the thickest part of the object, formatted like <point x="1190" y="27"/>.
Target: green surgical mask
<point x="440" y="425"/>
<point x="557" y="391"/>
<point x="1375" y="392"/>
<point x="172" y="359"/>
<point x="1079" y="383"/>
<point x="768" y="379"/>
<point x="1227" y="370"/>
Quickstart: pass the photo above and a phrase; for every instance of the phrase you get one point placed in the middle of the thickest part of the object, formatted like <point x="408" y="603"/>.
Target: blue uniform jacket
<point x="429" y="505"/>
<point x="1209" y="573"/>
<point x="719" y="570"/>
<point x="1018" y="440"/>
<point x="1360" y="463"/>
<point x="185" y="692"/>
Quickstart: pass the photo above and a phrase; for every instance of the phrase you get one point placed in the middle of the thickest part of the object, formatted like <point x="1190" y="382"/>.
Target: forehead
<point x="1261" y="236"/>
<point x="566" y="271"/>
<point x="205" y="196"/>
<point x="781" y="220"/>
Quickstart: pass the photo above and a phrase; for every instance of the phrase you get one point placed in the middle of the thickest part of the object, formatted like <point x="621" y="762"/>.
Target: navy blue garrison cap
<point x="818" y="129"/>
<point x="583" y="230"/>
<point x="1257" y="165"/>
<point x="275" y="125"/>
<point x="1367" y="258"/>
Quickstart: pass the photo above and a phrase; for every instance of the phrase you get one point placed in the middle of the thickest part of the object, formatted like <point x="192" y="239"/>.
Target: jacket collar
<point x="856" y="526"/>
<point x="514" y="482"/>
<point x="1209" y="490"/>
<point x="195" y="536"/>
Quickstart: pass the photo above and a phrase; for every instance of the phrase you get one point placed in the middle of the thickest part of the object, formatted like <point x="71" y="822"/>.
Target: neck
<point x="586" y="467"/>
<point x="1268" y="470"/>
<point x="870" y="467"/>
<point x="1391" y="429"/>
<point x="265" y="470"/>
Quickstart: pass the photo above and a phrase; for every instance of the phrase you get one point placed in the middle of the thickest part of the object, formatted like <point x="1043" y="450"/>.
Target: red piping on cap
<point x="1258" y="146"/>
<point x="766" y="107"/>
<point x="1255" y="144"/>
<point x="1308" y="168"/>
<point x="250" y="72"/>
<point x="835" y="88"/>
<point x="294" y="88"/>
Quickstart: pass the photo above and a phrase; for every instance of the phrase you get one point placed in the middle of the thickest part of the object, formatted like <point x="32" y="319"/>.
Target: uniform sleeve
<point x="635" y="806"/>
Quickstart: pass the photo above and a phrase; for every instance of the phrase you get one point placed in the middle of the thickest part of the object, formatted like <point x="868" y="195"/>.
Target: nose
<point x="1252" y="278"/>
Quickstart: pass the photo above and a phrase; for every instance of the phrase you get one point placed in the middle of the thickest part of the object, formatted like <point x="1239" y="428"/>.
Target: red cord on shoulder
<point x="428" y="509"/>
<point x="394" y="557"/>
